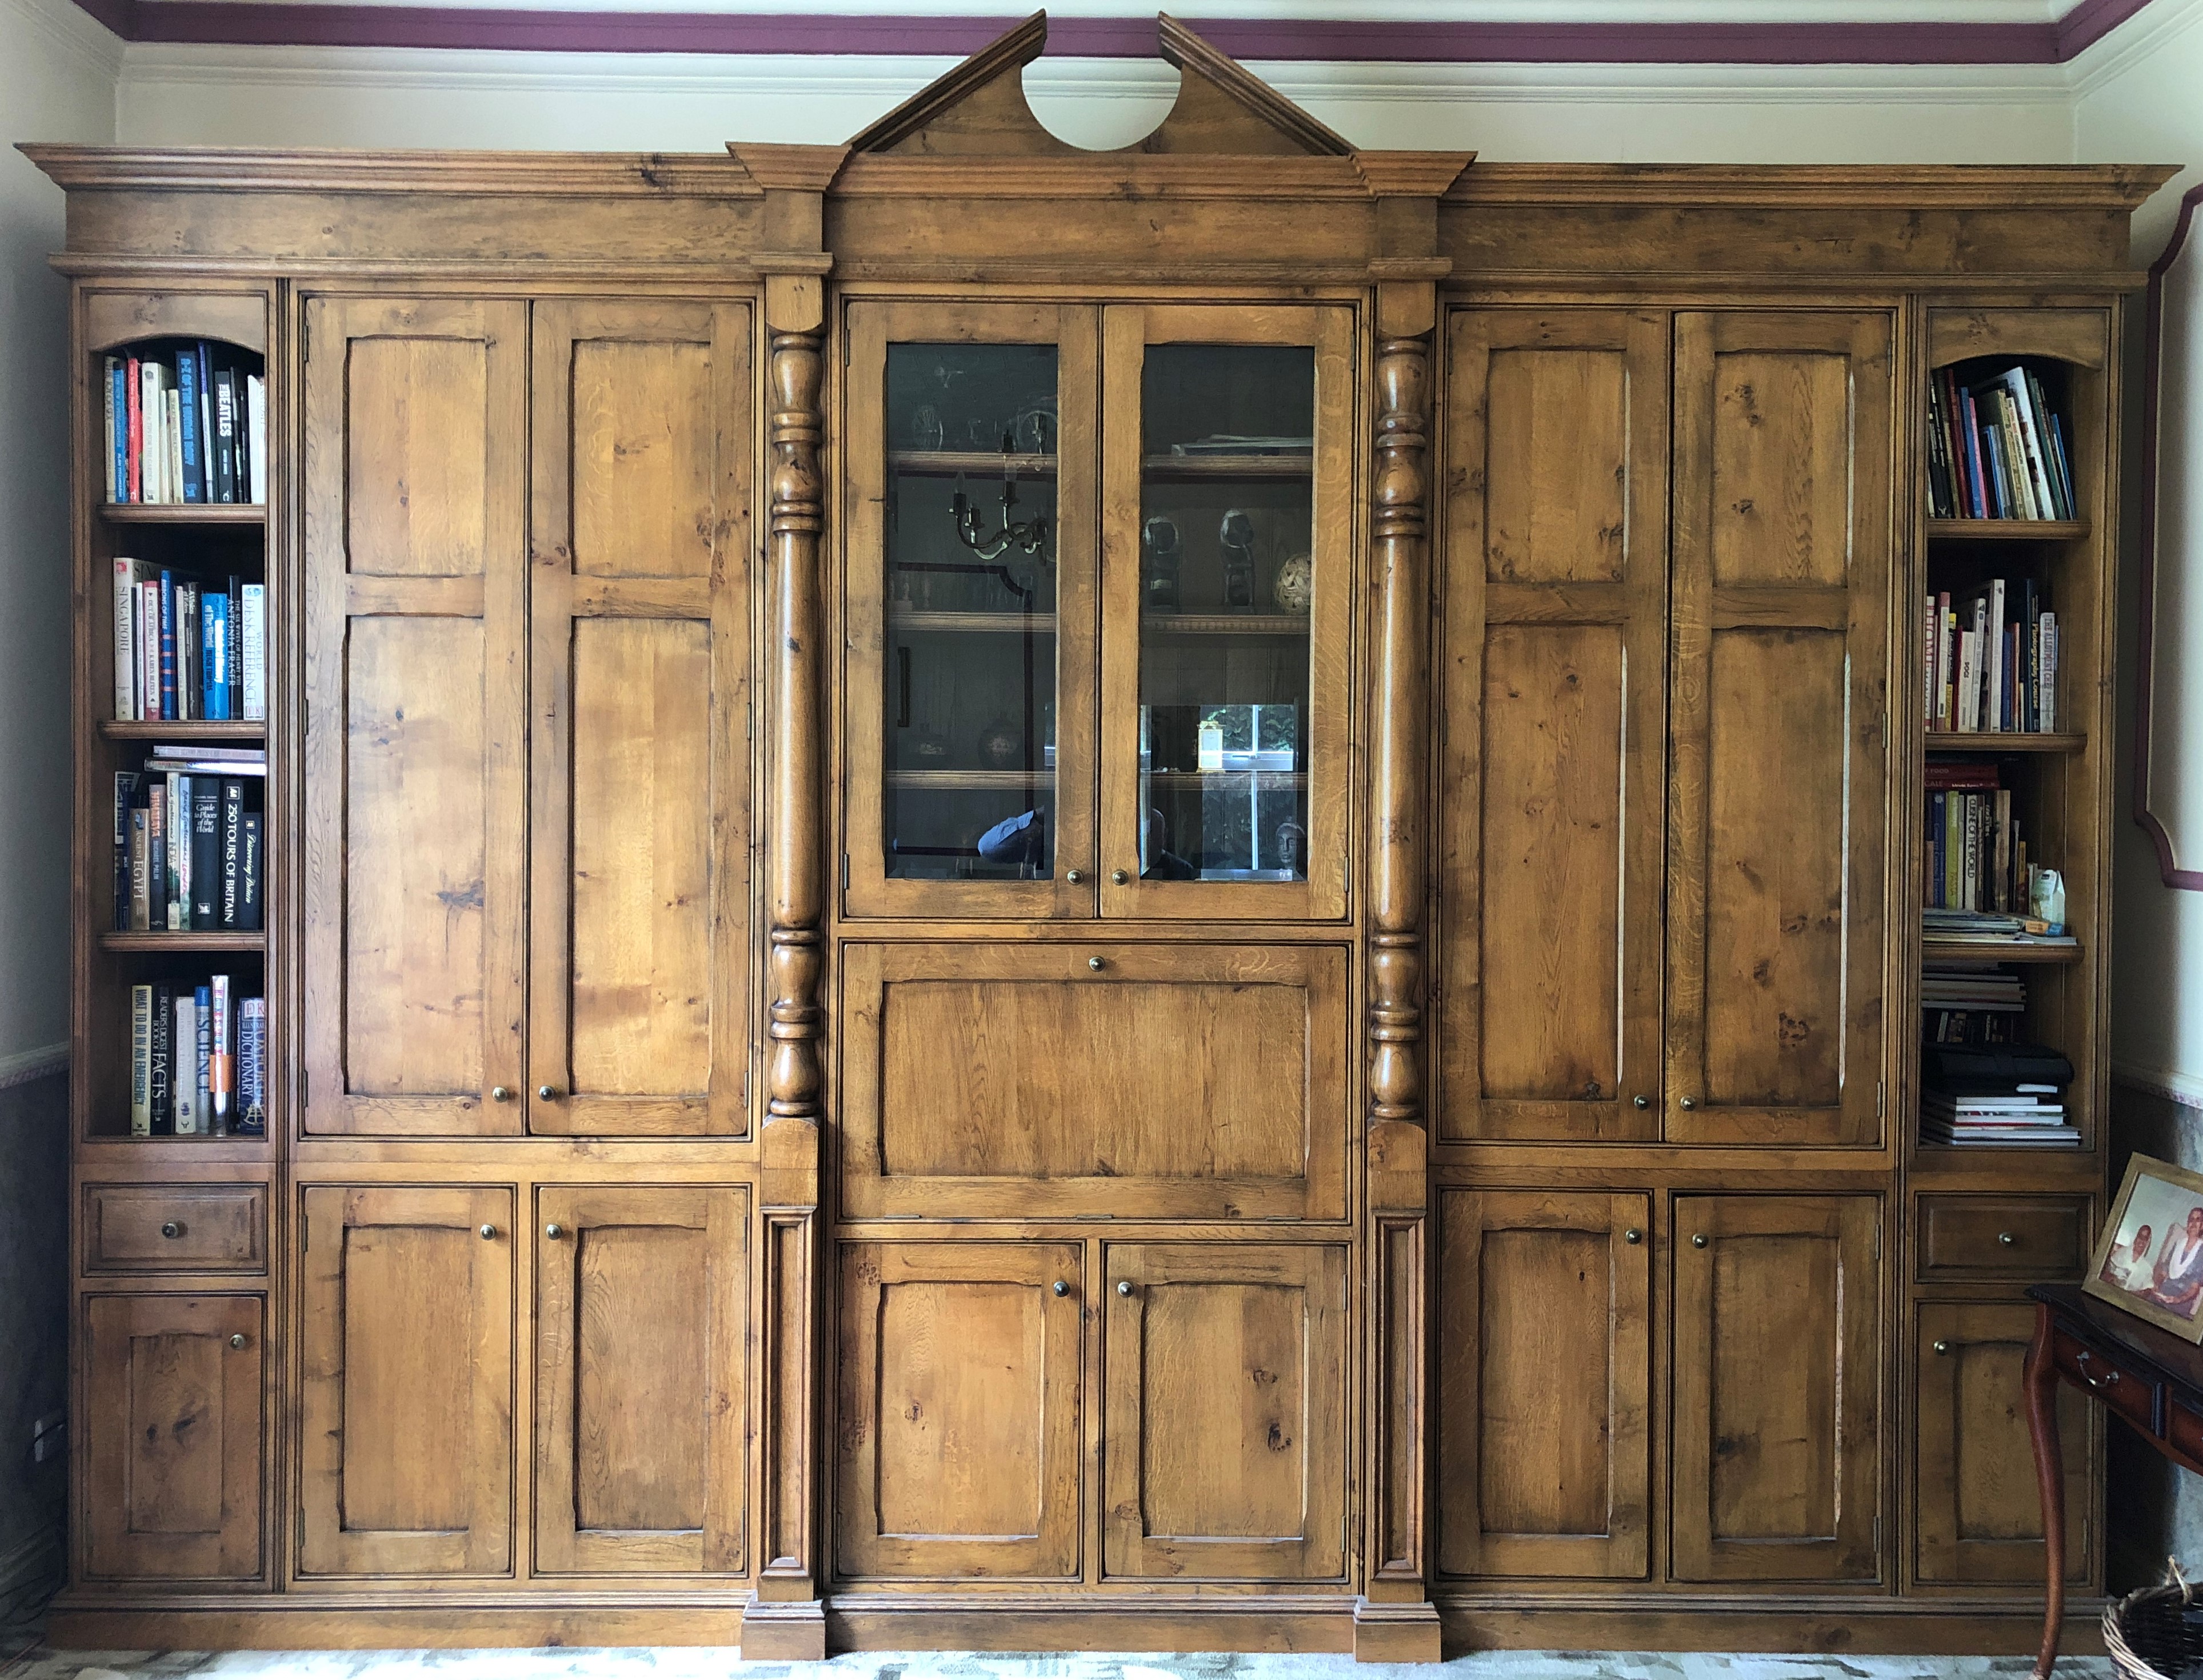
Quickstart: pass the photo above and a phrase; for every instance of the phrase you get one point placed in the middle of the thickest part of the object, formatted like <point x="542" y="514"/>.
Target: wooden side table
<point x="2148" y="1376"/>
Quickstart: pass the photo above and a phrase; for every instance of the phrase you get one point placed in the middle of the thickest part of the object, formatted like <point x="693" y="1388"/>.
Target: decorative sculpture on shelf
<point x="1165" y="552"/>
<point x="1236" y="535"/>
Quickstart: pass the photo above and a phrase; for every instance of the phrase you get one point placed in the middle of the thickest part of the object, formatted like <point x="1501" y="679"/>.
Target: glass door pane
<point x="971" y="610"/>
<point x="1237" y="560"/>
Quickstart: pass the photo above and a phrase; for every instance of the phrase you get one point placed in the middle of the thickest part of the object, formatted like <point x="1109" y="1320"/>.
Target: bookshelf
<point x="219" y="547"/>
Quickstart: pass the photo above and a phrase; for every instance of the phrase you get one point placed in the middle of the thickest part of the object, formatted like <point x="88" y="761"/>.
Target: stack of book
<point x="1987" y="928"/>
<point x="185" y="424"/>
<point x="188" y="846"/>
<point x="184" y="653"/>
<point x="1996" y="447"/>
<point x="2004" y="1095"/>
<point x="199" y="1060"/>
<point x="1991" y="660"/>
<point x="1971" y="1003"/>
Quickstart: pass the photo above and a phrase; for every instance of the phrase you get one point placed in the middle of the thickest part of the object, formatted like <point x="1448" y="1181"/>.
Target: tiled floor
<point x="723" y="1664"/>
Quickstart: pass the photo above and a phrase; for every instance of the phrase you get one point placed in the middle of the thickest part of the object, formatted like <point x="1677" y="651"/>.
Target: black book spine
<point x="248" y="880"/>
<point x="224" y="435"/>
<point x="232" y="842"/>
<point x="125" y="795"/>
<point x="164" y="1020"/>
<point x="206" y="852"/>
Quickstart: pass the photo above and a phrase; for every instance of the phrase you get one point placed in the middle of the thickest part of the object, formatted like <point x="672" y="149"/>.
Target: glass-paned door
<point x="971" y="607"/>
<point x="1228" y="540"/>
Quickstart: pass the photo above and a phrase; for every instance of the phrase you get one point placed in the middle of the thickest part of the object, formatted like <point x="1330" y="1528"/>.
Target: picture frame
<point x="2149" y="1259"/>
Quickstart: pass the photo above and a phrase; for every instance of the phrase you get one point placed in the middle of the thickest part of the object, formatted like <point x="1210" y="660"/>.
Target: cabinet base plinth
<point x="1395" y="1633"/>
<point x="775" y="1631"/>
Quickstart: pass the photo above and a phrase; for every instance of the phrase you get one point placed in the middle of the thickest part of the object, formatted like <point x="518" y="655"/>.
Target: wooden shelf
<point x="947" y="462"/>
<point x="2008" y="740"/>
<point x="1274" y="780"/>
<point x="1228" y="466"/>
<point x="1935" y="950"/>
<point x="184" y="513"/>
<point x="2006" y="530"/>
<point x="975" y="623"/>
<point x="1224" y="623"/>
<point x="970" y="781"/>
<point x="209" y="940"/>
<point x="121" y="729"/>
<point x="115" y="1149"/>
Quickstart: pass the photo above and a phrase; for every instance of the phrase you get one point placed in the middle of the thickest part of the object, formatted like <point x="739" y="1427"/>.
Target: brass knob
<point x="1699" y="1239"/>
<point x="1632" y="1235"/>
<point x="171" y="1229"/>
<point x="554" y="1230"/>
<point x="237" y="1340"/>
<point x="488" y="1232"/>
<point x="1641" y="1102"/>
<point x="1074" y="876"/>
<point x="1097" y="963"/>
<point x="2009" y="1239"/>
<point x="1124" y="1289"/>
<point x="1688" y="1102"/>
<point x="1121" y="877"/>
<point x="1942" y="1347"/>
<point x="547" y="1091"/>
<point x="500" y="1093"/>
<point x="1060" y="1287"/>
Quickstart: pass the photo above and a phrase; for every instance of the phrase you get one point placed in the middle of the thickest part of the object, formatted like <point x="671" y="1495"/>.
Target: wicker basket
<point x="2145" y="1633"/>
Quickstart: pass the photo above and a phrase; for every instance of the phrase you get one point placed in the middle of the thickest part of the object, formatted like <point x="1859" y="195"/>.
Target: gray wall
<point x="33" y="1326"/>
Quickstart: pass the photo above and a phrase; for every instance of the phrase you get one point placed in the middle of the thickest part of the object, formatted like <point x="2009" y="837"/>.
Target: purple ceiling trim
<point x="273" y="23"/>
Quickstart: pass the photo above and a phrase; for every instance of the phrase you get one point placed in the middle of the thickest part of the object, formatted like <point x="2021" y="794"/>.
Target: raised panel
<point x="1781" y="466"/>
<point x="175" y="1228"/>
<point x="173" y="1389"/>
<point x="640" y="945"/>
<point x="1552" y="725"/>
<point x="1108" y="1078"/>
<point x="418" y="419"/>
<point x="1543" y="1383"/>
<point x="1964" y="1238"/>
<point x="959" y="1397"/>
<point x="1979" y="1512"/>
<point x="407" y="1381"/>
<point x="1776" y="1468"/>
<point x="641" y="1380"/>
<point x="1224" y="1452"/>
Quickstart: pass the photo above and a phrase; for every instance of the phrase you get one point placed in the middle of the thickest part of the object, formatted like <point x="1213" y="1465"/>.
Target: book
<point x="116" y="402"/>
<point x="151" y="452"/>
<point x="187" y="650"/>
<point x="225" y="434"/>
<point x="252" y="1067"/>
<point x="206" y="852"/>
<point x="141" y="1061"/>
<point x="233" y="609"/>
<point x="183" y="1063"/>
<point x="126" y="796"/>
<point x="221" y="1065"/>
<point x="233" y="844"/>
<point x="256" y="434"/>
<point x="249" y="879"/>
<point x="2049" y="658"/>
<point x="189" y="458"/>
<point x="163" y="1120"/>
<point x="168" y="634"/>
<point x="141" y="903"/>
<point x="126" y="701"/>
<point x="214" y="657"/>
<point x="202" y="1058"/>
<point x="171" y="437"/>
<point x="254" y="671"/>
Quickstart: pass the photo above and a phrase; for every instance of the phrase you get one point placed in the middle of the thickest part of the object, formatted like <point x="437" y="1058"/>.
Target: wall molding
<point x="41" y="1061"/>
<point x="2183" y="1088"/>
<point x="73" y="30"/>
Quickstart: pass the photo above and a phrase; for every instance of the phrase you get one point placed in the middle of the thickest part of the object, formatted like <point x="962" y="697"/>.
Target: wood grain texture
<point x="130" y="1228"/>
<point x="642" y="1381"/>
<point x="1972" y="1238"/>
<point x="960" y="1410"/>
<point x="406" y="1382"/>
<point x="171" y="1388"/>
<point x="1543" y="1322"/>
<point x="1223" y="1428"/>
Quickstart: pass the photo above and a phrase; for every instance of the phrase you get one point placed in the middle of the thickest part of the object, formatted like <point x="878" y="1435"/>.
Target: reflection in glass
<point x="1227" y="586"/>
<point x="971" y="670"/>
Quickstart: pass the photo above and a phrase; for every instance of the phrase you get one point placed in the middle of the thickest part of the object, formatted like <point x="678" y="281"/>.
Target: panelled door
<point x="1224" y="1412"/>
<point x="1778" y="726"/>
<point x="1979" y="1515"/>
<point x="641" y="1317"/>
<point x="415" y="510"/>
<point x="639" y="944"/>
<point x="172" y="1399"/>
<point x="959" y="1409"/>
<point x="1552" y="752"/>
<point x="405" y="1401"/>
<point x="1543" y="1383"/>
<point x="1777" y="1361"/>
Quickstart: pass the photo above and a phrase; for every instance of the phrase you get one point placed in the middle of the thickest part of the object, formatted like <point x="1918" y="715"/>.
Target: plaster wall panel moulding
<point x="40" y="1062"/>
<point x="2168" y="767"/>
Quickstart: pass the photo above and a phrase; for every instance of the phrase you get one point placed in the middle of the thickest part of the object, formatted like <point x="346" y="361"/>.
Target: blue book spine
<point x="168" y="712"/>
<point x="2001" y="498"/>
<point x="214" y="640"/>
<point x="118" y="386"/>
<point x="187" y="412"/>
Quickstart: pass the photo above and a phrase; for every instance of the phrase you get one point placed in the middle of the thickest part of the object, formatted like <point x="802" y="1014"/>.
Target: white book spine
<point x="2050" y="672"/>
<point x="183" y="1077"/>
<point x="1993" y="657"/>
<point x="152" y="453"/>
<point x="125" y="640"/>
<point x="1928" y="663"/>
<point x="1970" y="684"/>
<point x="221" y="1066"/>
<point x="179" y="853"/>
<point x="255" y="433"/>
<point x="172" y="477"/>
<point x="255" y="647"/>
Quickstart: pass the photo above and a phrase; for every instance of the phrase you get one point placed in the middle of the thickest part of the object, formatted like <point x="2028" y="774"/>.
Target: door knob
<point x="1641" y="1102"/>
<point x="2009" y="1239"/>
<point x="500" y="1093"/>
<point x="1121" y="877"/>
<point x="1060" y="1287"/>
<point x="1699" y="1239"/>
<point x="1074" y="876"/>
<point x="1942" y="1347"/>
<point x="548" y="1092"/>
<point x="1097" y="963"/>
<point x="554" y="1230"/>
<point x="171" y="1229"/>
<point x="237" y="1340"/>
<point x="1688" y="1102"/>
<point x="1633" y="1235"/>
<point x="1123" y="1287"/>
<point x="488" y="1232"/>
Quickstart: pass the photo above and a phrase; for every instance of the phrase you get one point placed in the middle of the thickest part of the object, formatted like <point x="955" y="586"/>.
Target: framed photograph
<point x="2149" y="1261"/>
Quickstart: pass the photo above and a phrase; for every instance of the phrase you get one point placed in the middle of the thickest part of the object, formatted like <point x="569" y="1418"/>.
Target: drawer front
<point x="2137" y="1398"/>
<point x="175" y="1228"/>
<point x="1093" y="1077"/>
<point x="1964" y="1237"/>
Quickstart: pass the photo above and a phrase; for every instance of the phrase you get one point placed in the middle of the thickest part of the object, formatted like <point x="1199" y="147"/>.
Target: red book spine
<point x="137" y="435"/>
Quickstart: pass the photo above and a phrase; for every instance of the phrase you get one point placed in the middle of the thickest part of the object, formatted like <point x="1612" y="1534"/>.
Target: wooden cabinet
<point x="639" y="940"/>
<point x="173" y="1387"/>
<point x="1977" y="1513"/>
<point x="1776" y="1472"/>
<point x="1224" y="1412"/>
<point x="961" y="1380"/>
<point x="415" y="715"/>
<point x="1543" y="1383"/>
<point x="1778" y="725"/>
<point x="406" y="1395"/>
<point x="641" y="1380"/>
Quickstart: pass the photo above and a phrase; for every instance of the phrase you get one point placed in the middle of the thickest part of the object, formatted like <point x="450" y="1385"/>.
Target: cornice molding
<point x="1943" y="186"/>
<point x="551" y="173"/>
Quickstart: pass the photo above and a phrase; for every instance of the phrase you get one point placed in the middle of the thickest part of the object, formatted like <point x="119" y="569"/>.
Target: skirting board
<point x="1869" y="1627"/>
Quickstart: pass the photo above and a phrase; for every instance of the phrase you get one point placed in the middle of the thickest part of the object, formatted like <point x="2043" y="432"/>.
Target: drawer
<point x="2140" y="1400"/>
<point x="1964" y="1237"/>
<point x="175" y="1228"/>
